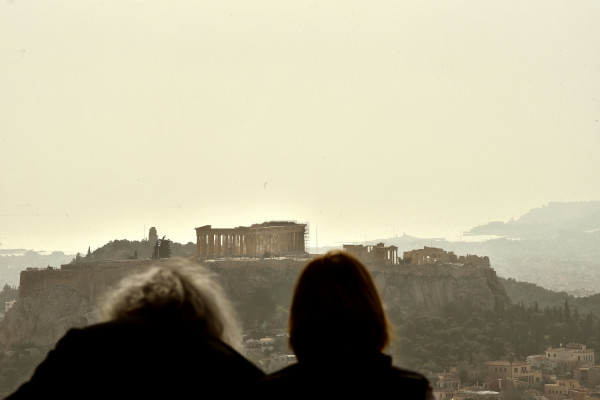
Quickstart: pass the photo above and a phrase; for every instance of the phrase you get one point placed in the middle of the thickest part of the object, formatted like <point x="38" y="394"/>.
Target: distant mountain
<point x="551" y="221"/>
<point x="14" y="261"/>
<point x="556" y="247"/>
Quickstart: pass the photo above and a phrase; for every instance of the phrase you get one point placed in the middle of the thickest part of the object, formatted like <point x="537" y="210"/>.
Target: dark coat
<point x="344" y="376"/>
<point x="139" y="359"/>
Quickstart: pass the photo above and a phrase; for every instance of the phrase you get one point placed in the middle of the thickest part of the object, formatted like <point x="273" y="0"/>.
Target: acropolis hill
<point x="51" y="300"/>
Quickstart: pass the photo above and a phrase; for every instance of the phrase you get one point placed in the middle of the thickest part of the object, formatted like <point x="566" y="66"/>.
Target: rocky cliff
<point x="429" y="288"/>
<point x="426" y="288"/>
<point x="52" y="301"/>
<point x="40" y="319"/>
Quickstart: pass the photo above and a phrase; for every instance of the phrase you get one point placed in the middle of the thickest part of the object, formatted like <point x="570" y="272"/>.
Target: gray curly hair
<point x="178" y="288"/>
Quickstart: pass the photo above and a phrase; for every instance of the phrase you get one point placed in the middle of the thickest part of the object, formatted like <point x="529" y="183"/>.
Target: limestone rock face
<point x="428" y="288"/>
<point x="241" y="279"/>
<point x="424" y="288"/>
<point x="257" y="287"/>
<point x="41" y="318"/>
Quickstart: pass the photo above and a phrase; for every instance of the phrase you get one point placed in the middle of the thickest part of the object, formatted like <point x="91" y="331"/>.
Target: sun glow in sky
<point x="365" y="120"/>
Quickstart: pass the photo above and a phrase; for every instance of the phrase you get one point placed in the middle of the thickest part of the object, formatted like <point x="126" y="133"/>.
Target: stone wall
<point x="257" y="287"/>
<point x="426" y="287"/>
<point x="434" y="255"/>
<point x="90" y="279"/>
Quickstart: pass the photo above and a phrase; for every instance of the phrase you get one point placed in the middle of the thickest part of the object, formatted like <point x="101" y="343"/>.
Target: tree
<point x="8" y="293"/>
<point x="567" y="311"/>
<point x="77" y="258"/>
<point x="165" y="248"/>
<point x="463" y="375"/>
<point x="156" y="251"/>
<point x="134" y="256"/>
<point x="162" y="248"/>
<point x="89" y="254"/>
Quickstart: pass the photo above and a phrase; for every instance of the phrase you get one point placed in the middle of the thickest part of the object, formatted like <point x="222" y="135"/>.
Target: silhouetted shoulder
<point x="350" y="377"/>
<point x="143" y="359"/>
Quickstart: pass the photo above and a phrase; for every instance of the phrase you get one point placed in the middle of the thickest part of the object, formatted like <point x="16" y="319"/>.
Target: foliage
<point x="531" y="294"/>
<point x="8" y="293"/>
<point x="17" y="366"/>
<point x="465" y="333"/>
<point x="162" y="248"/>
<point x="260" y="308"/>
<point x="135" y="249"/>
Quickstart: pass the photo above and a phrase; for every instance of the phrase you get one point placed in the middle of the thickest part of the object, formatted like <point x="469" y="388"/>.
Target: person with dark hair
<point x="167" y="332"/>
<point x="338" y="330"/>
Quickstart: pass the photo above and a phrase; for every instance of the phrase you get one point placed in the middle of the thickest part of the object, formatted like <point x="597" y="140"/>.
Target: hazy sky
<point x="364" y="119"/>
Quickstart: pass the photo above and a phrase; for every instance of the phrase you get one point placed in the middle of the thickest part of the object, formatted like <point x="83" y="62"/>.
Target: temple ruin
<point x="274" y="238"/>
<point x="378" y="254"/>
<point x="434" y="255"/>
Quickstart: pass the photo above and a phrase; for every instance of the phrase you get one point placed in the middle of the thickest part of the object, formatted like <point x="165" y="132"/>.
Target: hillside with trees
<point x="135" y="249"/>
<point x="464" y="334"/>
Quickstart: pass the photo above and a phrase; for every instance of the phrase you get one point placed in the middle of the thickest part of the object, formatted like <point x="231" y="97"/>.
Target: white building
<point x="570" y="357"/>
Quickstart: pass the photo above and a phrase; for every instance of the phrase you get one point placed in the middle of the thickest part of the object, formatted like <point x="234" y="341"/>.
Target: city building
<point x="560" y="389"/>
<point x="569" y="358"/>
<point x="518" y="370"/>
<point x="588" y="376"/>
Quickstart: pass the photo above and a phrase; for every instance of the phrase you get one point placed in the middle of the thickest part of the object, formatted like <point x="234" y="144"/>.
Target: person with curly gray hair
<point x="169" y="331"/>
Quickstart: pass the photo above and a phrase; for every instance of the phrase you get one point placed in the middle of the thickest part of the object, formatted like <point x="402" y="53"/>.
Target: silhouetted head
<point x="178" y="290"/>
<point x="336" y="308"/>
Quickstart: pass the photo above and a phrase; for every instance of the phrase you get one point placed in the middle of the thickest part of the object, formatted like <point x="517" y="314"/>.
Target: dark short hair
<point x="336" y="306"/>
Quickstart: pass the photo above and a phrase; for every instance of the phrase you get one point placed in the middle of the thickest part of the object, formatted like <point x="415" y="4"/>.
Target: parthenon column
<point x="201" y="245"/>
<point x="211" y="245"/>
<point x="218" y="238"/>
<point x="238" y="244"/>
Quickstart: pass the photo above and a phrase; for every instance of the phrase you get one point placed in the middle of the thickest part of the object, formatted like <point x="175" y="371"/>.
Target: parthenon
<point x="274" y="238"/>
